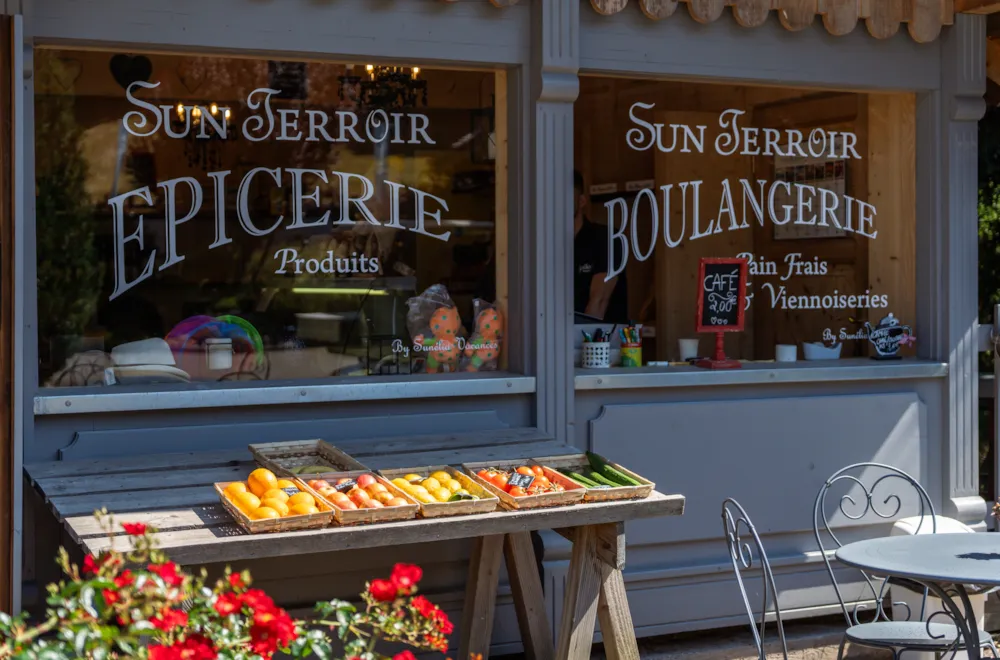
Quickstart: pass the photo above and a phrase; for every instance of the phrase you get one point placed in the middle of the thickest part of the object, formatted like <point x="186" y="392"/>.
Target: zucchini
<point x="602" y="467"/>
<point x="580" y="479"/>
<point x="602" y="480"/>
<point x="620" y="477"/>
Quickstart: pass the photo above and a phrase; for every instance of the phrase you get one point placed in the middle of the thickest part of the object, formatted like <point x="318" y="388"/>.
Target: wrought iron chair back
<point x="743" y="541"/>
<point x="880" y="501"/>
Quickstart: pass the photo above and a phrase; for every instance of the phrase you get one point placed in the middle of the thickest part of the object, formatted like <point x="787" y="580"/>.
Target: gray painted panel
<point x="424" y="30"/>
<point x="138" y="433"/>
<point x="680" y="47"/>
<point x="770" y="454"/>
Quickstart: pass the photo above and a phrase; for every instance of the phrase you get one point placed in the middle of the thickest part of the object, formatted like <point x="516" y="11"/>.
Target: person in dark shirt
<point x="592" y="295"/>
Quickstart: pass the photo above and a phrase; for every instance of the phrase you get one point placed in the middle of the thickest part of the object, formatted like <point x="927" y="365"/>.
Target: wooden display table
<point x="194" y="529"/>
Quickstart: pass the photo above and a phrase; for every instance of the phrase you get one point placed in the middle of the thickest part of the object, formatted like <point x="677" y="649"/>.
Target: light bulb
<point x="228" y="114"/>
<point x="416" y="71"/>
<point x="196" y="112"/>
<point x="214" y="109"/>
<point x="180" y="109"/>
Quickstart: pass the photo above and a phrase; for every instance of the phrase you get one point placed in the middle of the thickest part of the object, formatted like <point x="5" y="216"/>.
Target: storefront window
<point x="814" y="191"/>
<point x="214" y="219"/>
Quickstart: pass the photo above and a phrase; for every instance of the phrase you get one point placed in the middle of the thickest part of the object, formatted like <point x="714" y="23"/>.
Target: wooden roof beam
<point x="977" y="6"/>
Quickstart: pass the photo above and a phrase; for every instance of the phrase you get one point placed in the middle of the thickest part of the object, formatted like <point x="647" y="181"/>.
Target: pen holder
<point x="631" y="355"/>
<point x="596" y="355"/>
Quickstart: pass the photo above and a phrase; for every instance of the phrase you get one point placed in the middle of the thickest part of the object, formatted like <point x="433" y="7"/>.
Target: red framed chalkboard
<point x="722" y="294"/>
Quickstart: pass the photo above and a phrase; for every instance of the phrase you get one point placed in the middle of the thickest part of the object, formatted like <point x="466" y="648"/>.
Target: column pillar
<point x="947" y="247"/>
<point x="554" y="88"/>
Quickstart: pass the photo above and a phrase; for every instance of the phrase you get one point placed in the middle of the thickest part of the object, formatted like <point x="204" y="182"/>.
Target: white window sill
<point x="849" y="369"/>
<point x="78" y="401"/>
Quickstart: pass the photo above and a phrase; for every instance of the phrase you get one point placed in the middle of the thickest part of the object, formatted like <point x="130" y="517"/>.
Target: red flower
<point x="110" y="597"/>
<point x="169" y="619"/>
<point x="134" y="529"/>
<point x="442" y="623"/>
<point x="424" y="606"/>
<point x="383" y="590"/>
<point x="164" y="653"/>
<point x="228" y="604"/>
<point x="436" y="642"/>
<point x="235" y="581"/>
<point x="168" y="573"/>
<point x="404" y="655"/>
<point x="89" y="565"/>
<point x="257" y="600"/>
<point x="125" y="579"/>
<point x="406" y="576"/>
<point x="197" y="647"/>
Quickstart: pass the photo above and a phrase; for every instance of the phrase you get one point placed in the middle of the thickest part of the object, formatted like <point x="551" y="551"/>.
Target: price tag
<point x="291" y="490"/>
<point x="346" y="486"/>
<point x="522" y="480"/>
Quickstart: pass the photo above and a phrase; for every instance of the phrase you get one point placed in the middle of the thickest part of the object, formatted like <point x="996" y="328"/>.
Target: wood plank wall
<point x="6" y="313"/>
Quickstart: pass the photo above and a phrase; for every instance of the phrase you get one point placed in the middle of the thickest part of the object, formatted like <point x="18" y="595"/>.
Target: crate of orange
<point x="265" y="503"/>
<point x="360" y="496"/>
<point x="525" y="484"/>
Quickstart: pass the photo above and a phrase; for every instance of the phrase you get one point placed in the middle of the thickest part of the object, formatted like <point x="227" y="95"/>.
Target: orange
<point x="396" y="501"/>
<point x="260" y="481"/>
<point x="301" y="498"/>
<point x="263" y="513"/>
<point x="285" y="483"/>
<point x="246" y="502"/>
<point x="275" y="494"/>
<point x="277" y="505"/>
<point x="234" y="488"/>
<point x="303" y="509"/>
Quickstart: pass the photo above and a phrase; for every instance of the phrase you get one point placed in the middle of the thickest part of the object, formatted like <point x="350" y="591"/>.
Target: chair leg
<point x="993" y="649"/>
<point x="843" y="642"/>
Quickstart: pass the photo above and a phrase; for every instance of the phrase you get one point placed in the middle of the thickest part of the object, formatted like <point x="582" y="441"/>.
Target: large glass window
<point x="815" y="191"/>
<point x="212" y="219"/>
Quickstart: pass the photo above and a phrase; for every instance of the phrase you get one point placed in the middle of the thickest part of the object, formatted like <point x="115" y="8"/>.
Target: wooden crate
<point x="368" y="516"/>
<point x="283" y="457"/>
<point x="574" y="492"/>
<point x="486" y="503"/>
<point x="319" y="520"/>
<point x="576" y="462"/>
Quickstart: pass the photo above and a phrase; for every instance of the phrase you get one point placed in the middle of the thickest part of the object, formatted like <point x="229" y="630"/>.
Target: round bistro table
<point x="950" y="566"/>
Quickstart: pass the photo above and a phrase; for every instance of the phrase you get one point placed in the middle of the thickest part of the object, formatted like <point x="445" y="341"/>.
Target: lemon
<point x="442" y="476"/>
<point x="425" y="498"/>
<point x="462" y="491"/>
<point x="442" y="494"/>
<point x="431" y="484"/>
<point x="419" y="490"/>
<point x="401" y="482"/>
<point x="412" y="477"/>
<point x="454" y="485"/>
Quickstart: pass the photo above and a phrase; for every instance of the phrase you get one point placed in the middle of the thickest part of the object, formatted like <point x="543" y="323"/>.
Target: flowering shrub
<point x="138" y="604"/>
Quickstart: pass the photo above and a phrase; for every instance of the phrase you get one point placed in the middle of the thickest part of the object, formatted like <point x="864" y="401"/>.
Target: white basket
<point x="596" y="355"/>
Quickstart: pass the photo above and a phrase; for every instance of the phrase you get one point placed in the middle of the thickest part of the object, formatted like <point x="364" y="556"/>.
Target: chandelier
<point x="385" y="88"/>
<point x="202" y="152"/>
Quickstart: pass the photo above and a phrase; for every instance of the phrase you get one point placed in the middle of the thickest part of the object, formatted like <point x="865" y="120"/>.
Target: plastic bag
<point x="482" y="351"/>
<point x="435" y="326"/>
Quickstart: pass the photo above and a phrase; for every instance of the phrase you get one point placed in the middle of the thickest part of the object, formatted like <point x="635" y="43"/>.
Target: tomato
<point x="543" y="482"/>
<point x="538" y="471"/>
<point x="484" y="474"/>
<point x="558" y="487"/>
<point x="525" y="470"/>
<point x="517" y="491"/>
<point x="500" y="480"/>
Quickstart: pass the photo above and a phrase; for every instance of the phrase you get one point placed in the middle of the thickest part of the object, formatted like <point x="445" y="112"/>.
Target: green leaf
<point x="87" y="601"/>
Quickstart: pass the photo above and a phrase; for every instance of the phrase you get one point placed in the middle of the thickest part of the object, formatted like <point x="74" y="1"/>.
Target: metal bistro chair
<point x="737" y="527"/>
<point x="874" y="628"/>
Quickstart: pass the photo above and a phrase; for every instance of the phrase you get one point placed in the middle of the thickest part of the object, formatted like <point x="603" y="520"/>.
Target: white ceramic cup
<point x="785" y="352"/>
<point x="688" y="348"/>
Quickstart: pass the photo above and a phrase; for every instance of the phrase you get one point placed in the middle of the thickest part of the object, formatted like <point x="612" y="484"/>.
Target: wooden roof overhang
<point x="883" y="18"/>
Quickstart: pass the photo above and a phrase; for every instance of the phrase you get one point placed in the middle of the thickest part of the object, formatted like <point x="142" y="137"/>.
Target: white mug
<point x="785" y="352"/>
<point x="688" y="348"/>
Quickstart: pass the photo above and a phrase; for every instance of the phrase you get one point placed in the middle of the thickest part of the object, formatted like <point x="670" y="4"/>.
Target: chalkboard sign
<point x="522" y="480"/>
<point x="722" y="293"/>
